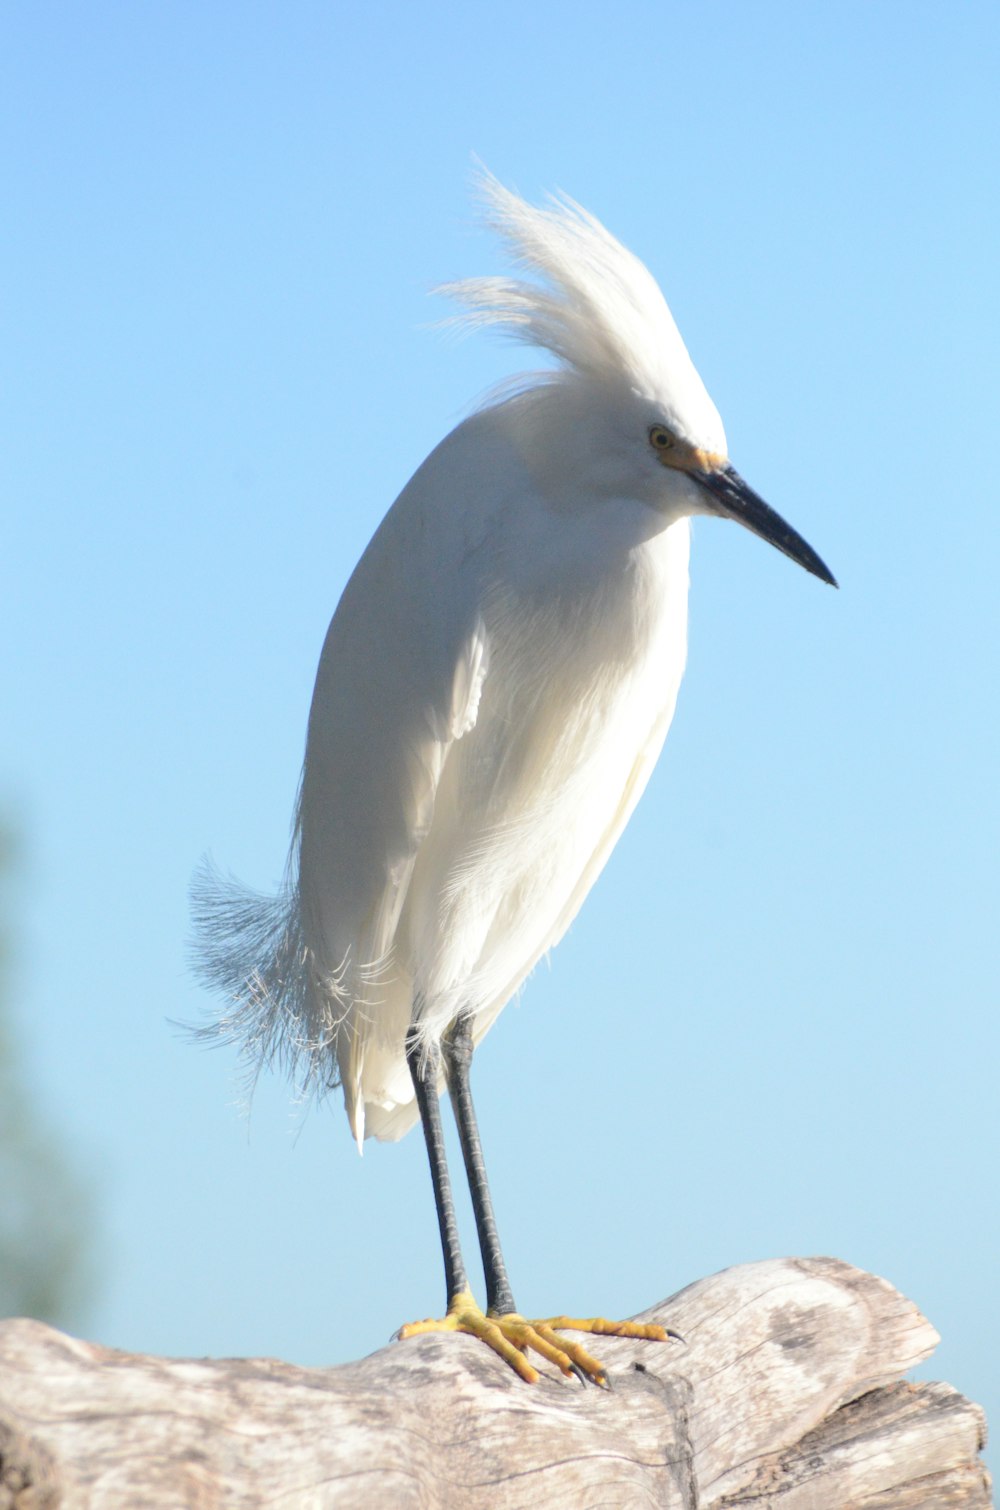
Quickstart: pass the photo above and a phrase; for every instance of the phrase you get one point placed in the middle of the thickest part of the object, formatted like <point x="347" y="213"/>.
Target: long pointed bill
<point x="737" y="500"/>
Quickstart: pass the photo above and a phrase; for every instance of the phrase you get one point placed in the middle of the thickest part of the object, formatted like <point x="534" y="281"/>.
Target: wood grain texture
<point x="786" y="1391"/>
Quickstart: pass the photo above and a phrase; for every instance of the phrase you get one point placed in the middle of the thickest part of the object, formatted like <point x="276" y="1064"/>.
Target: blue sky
<point x="773" y="1027"/>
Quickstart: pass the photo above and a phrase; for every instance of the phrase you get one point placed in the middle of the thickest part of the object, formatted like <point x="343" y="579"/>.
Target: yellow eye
<point x="660" y="438"/>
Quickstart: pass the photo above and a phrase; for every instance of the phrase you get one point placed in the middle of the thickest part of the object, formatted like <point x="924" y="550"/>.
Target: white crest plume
<point x="597" y="308"/>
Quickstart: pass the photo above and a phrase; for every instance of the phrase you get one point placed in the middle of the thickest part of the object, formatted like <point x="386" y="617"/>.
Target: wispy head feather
<point x="596" y="308"/>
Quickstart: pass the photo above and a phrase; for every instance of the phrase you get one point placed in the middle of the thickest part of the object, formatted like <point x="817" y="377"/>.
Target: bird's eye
<point x="660" y="438"/>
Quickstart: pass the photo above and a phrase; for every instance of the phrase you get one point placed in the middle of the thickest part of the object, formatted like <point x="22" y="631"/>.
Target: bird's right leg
<point x="424" y="1067"/>
<point x="463" y="1315"/>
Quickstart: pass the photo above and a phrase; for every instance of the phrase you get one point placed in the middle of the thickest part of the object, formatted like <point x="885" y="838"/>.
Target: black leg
<point x="423" y="1071"/>
<point x="456" y="1048"/>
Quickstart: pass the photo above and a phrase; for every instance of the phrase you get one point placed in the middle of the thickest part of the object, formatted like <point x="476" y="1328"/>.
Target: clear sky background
<point x="773" y="1027"/>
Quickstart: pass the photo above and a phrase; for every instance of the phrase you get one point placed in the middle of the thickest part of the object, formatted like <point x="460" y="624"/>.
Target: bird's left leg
<point x="456" y="1048"/>
<point x="540" y="1336"/>
<point x="463" y="1314"/>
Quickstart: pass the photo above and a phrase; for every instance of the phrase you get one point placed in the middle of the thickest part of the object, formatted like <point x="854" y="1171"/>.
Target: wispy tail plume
<point x="249" y="948"/>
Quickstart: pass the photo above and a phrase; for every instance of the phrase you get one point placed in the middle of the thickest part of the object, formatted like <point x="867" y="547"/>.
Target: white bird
<point x="494" y="690"/>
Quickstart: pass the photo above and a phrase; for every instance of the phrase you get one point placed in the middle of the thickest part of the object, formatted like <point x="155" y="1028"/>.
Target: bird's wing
<point x="373" y="764"/>
<point x="313" y="974"/>
<point x="399" y="680"/>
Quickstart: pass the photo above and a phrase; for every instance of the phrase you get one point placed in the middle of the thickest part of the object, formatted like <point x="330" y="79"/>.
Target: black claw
<point x="578" y="1371"/>
<point x="674" y="1336"/>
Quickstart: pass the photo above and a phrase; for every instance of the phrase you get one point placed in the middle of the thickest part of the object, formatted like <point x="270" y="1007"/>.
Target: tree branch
<point x="784" y="1392"/>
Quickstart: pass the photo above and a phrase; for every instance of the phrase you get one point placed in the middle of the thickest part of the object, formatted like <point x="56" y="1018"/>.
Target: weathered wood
<point x="785" y="1392"/>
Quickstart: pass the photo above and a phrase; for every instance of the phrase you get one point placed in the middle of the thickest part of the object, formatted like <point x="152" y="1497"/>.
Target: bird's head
<point x="625" y="408"/>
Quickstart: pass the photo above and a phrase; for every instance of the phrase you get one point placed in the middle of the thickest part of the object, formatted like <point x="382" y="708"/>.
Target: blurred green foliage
<point x="45" y="1268"/>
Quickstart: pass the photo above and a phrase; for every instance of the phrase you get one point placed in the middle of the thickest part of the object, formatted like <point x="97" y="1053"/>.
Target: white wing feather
<point x="311" y="975"/>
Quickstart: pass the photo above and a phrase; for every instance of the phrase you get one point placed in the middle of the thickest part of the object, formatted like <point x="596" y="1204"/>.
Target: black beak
<point x="735" y="499"/>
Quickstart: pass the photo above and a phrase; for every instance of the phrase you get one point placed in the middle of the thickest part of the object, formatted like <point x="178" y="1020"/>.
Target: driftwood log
<point x="785" y="1392"/>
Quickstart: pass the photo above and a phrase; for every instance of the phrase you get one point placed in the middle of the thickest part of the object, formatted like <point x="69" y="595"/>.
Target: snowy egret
<point x="495" y="687"/>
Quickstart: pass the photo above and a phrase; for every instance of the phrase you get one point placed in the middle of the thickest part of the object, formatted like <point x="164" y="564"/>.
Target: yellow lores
<point x="494" y="690"/>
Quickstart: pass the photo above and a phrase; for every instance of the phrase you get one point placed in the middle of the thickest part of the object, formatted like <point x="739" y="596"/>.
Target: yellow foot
<point x="511" y="1336"/>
